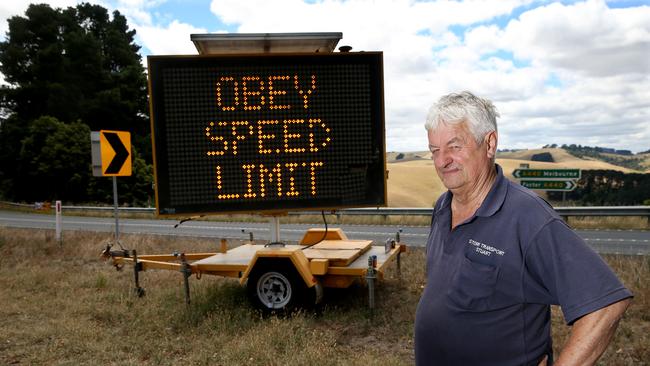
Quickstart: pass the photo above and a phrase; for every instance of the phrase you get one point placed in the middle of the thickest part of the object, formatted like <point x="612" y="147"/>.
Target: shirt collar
<point x="492" y="202"/>
<point x="497" y="195"/>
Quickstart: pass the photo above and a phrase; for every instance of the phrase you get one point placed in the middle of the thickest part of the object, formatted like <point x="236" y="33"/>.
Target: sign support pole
<point x="274" y="224"/>
<point x="117" y="220"/>
<point x="111" y="156"/>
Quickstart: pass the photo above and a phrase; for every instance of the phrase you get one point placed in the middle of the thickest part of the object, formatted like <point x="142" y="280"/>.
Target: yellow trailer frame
<point x="335" y="261"/>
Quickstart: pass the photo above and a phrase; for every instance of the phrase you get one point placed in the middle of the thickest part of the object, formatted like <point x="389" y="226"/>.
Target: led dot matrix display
<point x="267" y="132"/>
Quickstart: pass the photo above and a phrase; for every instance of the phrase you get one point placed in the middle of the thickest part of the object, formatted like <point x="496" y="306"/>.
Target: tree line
<point x="608" y="188"/>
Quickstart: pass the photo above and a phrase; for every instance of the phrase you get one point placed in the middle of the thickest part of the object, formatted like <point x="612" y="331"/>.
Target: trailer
<point x="266" y="124"/>
<point x="277" y="276"/>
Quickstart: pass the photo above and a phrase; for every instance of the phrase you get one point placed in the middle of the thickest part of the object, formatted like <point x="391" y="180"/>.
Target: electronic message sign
<point x="273" y="132"/>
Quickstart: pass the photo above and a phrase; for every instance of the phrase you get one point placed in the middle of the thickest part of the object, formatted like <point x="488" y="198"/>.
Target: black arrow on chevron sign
<point x="121" y="153"/>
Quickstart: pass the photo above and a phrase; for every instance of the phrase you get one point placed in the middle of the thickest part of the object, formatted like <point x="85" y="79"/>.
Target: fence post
<point x="58" y="222"/>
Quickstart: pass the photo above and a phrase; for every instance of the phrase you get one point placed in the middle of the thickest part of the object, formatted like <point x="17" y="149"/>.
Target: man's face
<point x="460" y="162"/>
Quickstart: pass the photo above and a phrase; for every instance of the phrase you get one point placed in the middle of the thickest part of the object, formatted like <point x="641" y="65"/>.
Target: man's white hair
<point x="479" y="114"/>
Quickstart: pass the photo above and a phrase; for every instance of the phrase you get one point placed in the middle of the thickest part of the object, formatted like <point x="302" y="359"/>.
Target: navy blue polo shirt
<point x="491" y="280"/>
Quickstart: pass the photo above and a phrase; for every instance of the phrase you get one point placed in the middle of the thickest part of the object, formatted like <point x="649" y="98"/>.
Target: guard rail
<point x="562" y="211"/>
<point x="643" y="211"/>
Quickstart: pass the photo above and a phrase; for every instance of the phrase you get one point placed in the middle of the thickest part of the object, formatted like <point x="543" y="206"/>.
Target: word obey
<point x="269" y="136"/>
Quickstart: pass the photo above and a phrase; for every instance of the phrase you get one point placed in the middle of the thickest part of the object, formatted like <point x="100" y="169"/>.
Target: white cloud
<point x="602" y="58"/>
<point x="169" y="40"/>
<point x="610" y="112"/>
<point x="138" y="12"/>
<point x="588" y="38"/>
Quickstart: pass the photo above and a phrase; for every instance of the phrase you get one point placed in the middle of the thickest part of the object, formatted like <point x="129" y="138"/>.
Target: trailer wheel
<point x="275" y="287"/>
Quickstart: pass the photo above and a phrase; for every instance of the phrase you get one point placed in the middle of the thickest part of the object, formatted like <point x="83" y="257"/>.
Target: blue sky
<point x="195" y="12"/>
<point x="558" y="71"/>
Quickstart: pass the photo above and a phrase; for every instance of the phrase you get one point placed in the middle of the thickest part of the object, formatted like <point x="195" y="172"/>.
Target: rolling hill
<point x="413" y="182"/>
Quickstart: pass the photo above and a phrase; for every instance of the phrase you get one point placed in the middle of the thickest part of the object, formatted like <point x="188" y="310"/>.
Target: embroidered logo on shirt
<point x="484" y="249"/>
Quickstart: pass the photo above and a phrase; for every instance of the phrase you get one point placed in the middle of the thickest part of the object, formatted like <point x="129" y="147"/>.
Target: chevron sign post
<point x="111" y="157"/>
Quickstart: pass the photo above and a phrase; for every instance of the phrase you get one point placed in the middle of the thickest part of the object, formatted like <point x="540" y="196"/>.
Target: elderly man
<point x="498" y="256"/>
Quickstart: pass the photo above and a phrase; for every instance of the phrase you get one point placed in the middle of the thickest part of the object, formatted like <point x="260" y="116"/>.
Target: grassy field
<point x="61" y="305"/>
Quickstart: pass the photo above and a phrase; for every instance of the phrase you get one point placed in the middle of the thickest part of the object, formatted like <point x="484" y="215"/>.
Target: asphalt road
<point x="632" y="242"/>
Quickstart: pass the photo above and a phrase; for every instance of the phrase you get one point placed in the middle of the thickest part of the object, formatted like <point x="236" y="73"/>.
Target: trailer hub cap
<point x="274" y="290"/>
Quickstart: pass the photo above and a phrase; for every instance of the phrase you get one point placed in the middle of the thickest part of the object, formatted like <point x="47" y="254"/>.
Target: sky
<point x="563" y="72"/>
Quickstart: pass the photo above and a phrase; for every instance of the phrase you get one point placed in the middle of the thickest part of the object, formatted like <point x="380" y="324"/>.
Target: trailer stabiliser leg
<point x="187" y="272"/>
<point x="371" y="276"/>
<point x="137" y="267"/>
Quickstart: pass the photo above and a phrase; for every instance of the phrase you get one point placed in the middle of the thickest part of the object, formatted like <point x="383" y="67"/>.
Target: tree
<point x="608" y="188"/>
<point x="11" y="135"/>
<point x="74" y="64"/>
<point x="78" y="66"/>
<point x="55" y="158"/>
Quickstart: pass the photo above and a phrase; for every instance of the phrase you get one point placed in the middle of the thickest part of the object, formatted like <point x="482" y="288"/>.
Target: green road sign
<point x="550" y="185"/>
<point x="547" y="173"/>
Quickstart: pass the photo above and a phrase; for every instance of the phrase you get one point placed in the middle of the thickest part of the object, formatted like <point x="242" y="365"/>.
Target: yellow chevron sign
<point x="115" y="153"/>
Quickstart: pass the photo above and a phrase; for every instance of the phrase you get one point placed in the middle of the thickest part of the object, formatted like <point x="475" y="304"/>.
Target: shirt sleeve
<point x="561" y="269"/>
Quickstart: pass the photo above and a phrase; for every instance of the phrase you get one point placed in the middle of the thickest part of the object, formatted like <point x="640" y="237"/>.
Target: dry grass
<point x="61" y="305"/>
<point x="609" y="222"/>
<point x="413" y="184"/>
<point x="631" y="345"/>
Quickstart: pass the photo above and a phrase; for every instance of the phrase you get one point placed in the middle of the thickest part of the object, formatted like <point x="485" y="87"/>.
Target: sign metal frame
<point x="372" y="170"/>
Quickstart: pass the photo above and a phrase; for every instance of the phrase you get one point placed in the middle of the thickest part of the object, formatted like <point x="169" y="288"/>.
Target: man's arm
<point x="591" y="335"/>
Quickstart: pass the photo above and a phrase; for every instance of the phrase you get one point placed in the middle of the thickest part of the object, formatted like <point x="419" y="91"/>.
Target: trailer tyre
<point x="275" y="287"/>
